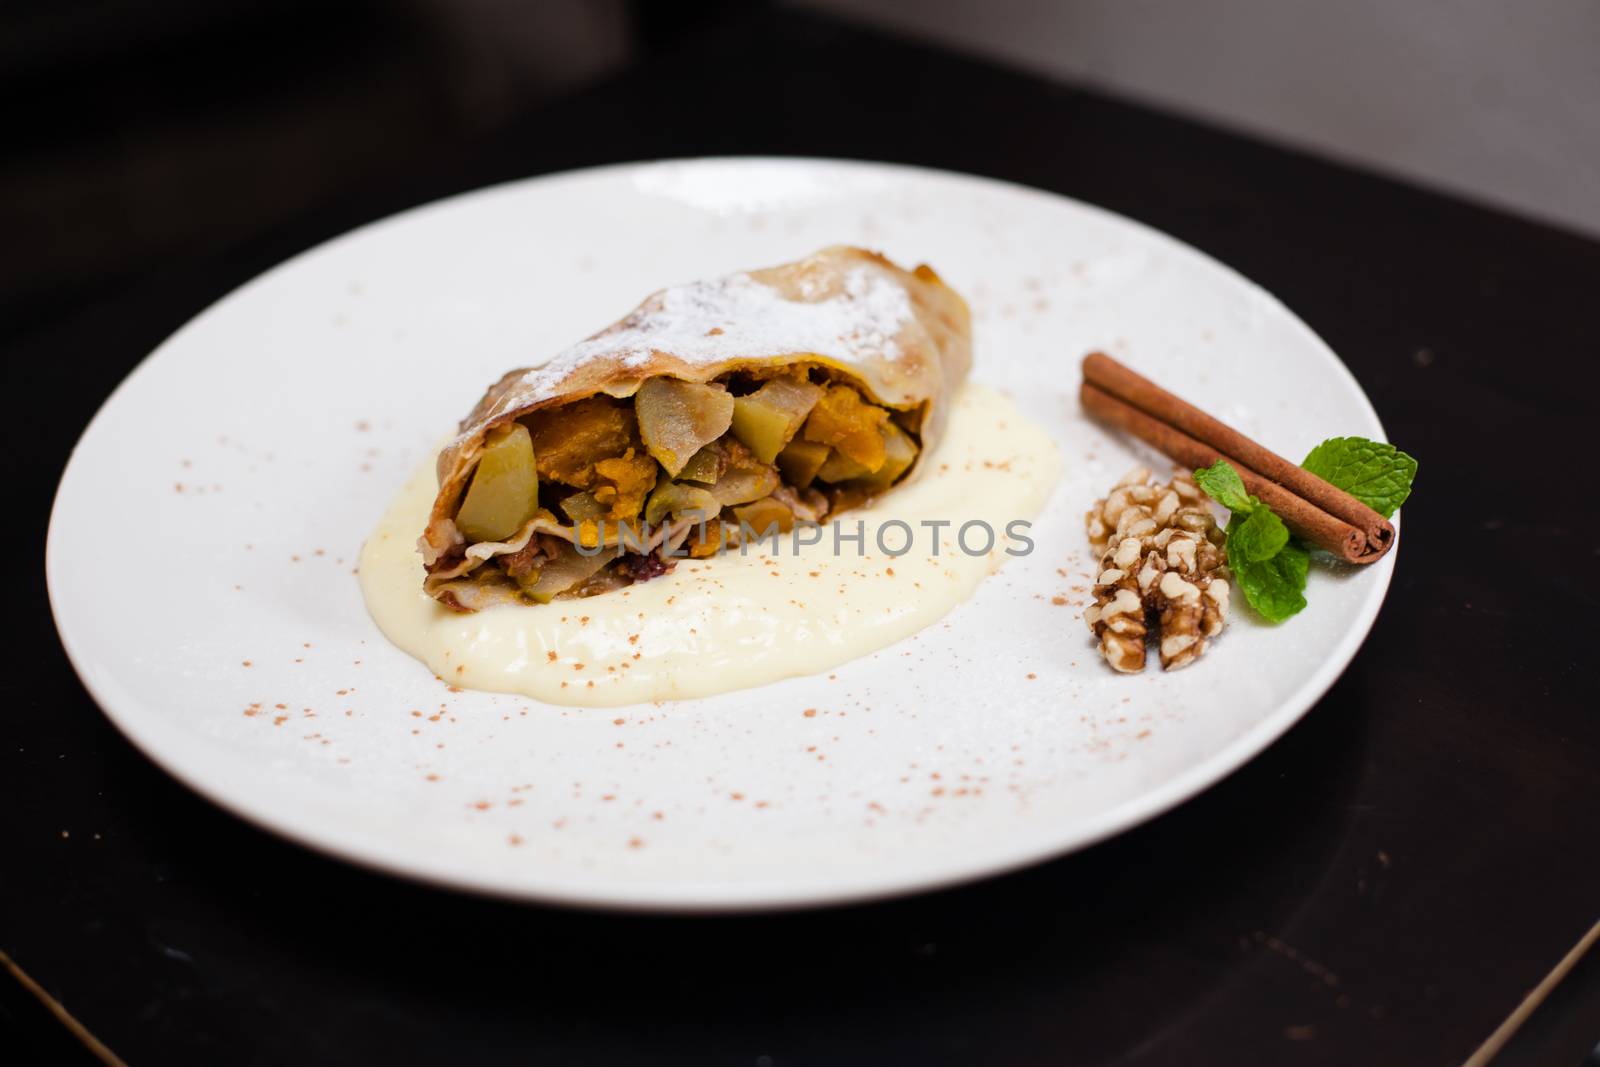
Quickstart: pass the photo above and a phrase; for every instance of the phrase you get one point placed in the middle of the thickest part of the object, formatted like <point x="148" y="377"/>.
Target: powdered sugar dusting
<point x="737" y="316"/>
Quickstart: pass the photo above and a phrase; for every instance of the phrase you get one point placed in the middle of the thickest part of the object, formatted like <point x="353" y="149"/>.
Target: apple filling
<point x="596" y="493"/>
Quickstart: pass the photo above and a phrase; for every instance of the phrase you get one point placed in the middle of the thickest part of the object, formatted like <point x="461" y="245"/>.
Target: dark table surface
<point x="1382" y="886"/>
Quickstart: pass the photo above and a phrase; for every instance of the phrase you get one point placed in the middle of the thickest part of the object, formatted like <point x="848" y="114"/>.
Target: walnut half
<point x="1163" y="572"/>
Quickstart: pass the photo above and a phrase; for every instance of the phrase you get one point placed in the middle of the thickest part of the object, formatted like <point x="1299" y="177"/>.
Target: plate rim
<point x="721" y="897"/>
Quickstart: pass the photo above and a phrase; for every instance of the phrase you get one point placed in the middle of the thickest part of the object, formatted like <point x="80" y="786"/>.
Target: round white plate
<point x="242" y="464"/>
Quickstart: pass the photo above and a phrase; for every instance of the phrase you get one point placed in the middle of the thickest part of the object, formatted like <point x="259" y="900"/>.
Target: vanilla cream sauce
<point x="736" y="620"/>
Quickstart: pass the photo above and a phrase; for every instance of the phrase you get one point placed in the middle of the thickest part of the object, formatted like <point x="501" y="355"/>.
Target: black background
<point x="1426" y="835"/>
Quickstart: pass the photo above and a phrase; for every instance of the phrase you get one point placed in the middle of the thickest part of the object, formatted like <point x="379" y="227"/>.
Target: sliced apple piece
<point x="504" y="493"/>
<point x="678" y="418"/>
<point x="800" y="460"/>
<point x="767" y="419"/>
<point x="676" y="498"/>
<point x="569" y="568"/>
<point x="582" y="505"/>
<point x="740" y="485"/>
<point x="841" y="468"/>
<point x="706" y="465"/>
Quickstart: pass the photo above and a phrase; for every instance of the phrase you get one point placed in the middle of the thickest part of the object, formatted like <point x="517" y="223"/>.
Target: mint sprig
<point x="1270" y="572"/>
<point x="1223" y="484"/>
<point x="1256" y="534"/>
<point x="1276" y="586"/>
<point x="1269" y="566"/>
<point x="1375" y="473"/>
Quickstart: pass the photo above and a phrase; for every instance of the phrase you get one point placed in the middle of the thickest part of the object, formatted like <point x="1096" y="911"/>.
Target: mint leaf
<point x="1268" y="567"/>
<point x="1256" y="535"/>
<point x="1222" y="483"/>
<point x="1275" y="587"/>
<point x="1377" y="474"/>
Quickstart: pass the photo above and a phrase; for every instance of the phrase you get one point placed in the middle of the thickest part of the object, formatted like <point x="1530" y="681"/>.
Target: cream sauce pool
<point x="738" y="619"/>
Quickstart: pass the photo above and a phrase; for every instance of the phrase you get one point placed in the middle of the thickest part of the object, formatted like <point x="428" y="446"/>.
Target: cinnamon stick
<point x="1312" y="508"/>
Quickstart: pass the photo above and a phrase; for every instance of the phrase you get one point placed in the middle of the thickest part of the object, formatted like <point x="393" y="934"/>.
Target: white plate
<point x="238" y="469"/>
